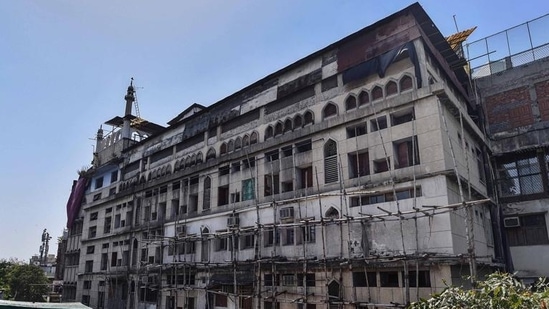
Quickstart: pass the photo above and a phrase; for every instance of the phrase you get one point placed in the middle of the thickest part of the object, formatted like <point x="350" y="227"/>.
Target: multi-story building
<point x="354" y="177"/>
<point x="513" y="87"/>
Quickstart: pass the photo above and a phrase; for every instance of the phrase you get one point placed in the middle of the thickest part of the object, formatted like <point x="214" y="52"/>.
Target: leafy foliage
<point x="23" y="282"/>
<point x="498" y="291"/>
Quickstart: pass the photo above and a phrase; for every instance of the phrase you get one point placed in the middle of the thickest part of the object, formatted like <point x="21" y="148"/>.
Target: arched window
<point x="334" y="291"/>
<point x="188" y="160"/>
<point x="278" y="128"/>
<point x="193" y="159"/>
<point x="330" y="110"/>
<point x="169" y="169"/>
<point x="199" y="158"/>
<point x="230" y="146"/>
<point x="246" y="141"/>
<point x="332" y="213"/>
<point x="406" y="83"/>
<point x="269" y="132"/>
<point x="309" y="118"/>
<point x="210" y="154"/>
<point x="363" y="98"/>
<point x="207" y="193"/>
<point x="330" y="162"/>
<point x="391" y="88"/>
<point x="223" y="149"/>
<point x="176" y="166"/>
<point x="288" y="125"/>
<point x="253" y="138"/>
<point x="298" y="121"/>
<point x="238" y="143"/>
<point x="377" y="93"/>
<point x="350" y="103"/>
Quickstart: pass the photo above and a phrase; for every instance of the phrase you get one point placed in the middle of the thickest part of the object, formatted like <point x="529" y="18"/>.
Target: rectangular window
<point x="104" y="261"/>
<point x="357" y="130"/>
<point x="529" y="230"/>
<point x="306" y="234"/>
<point x="271" y="156"/>
<point x="99" y="182"/>
<point x="92" y="232"/>
<point x="271" y="237"/>
<point x="359" y="164"/>
<point x="114" y="257"/>
<point x="379" y="123"/>
<point x="309" y="279"/>
<point x="402" y="116"/>
<point x="287" y="151"/>
<point x="93" y="216"/>
<point x="248" y="163"/>
<point x="401" y="194"/>
<point x="382" y="165"/>
<point x="107" y="225"/>
<point x="88" y="267"/>
<point x="287" y="186"/>
<point x="480" y="166"/>
<point x="221" y="243"/>
<point x="235" y="167"/>
<point x="247" y="241"/>
<point x="223" y="195"/>
<point x="220" y="300"/>
<point x="248" y="189"/>
<point x="406" y="152"/>
<point x="90" y="249"/>
<point x="117" y="221"/>
<point x="520" y="177"/>
<point x="360" y="279"/>
<point x="304" y="146"/>
<point x="271" y="185"/>
<point x="388" y="279"/>
<point x="224" y="170"/>
<point x="422" y="278"/>
<point x="289" y="280"/>
<point x="288" y="236"/>
<point x="305" y="177"/>
<point x="114" y="176"/>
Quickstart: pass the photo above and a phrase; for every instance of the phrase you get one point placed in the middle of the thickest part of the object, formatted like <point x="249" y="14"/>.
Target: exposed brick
<point x="542" y="93"/>
<point x="509" y="110"/>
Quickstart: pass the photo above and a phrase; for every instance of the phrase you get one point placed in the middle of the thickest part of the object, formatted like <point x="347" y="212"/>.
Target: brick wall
<point x="509" y="110"/>
<point x="542" y="93"/>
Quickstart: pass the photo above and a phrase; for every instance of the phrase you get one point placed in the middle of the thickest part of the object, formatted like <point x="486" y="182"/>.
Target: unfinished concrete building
<point x="511" y="73"/>
<point x="354" y="177"/>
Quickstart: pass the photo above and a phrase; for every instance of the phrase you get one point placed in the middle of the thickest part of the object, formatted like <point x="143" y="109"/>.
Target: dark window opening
<point x="381" y="166"/>
<point x="360" y="279"/>
<point x="530" y="230"/>
<point x="377" y="93"/>
<point x="388" y="279"/>
<point x="391" y="88"/>
<point x="350" y="103"/>
<point x="379" y="123"/>
<point x="357" y="130"/>
<point x="406" y="153"/>
<point x="359" y="164"/>
<point x="363" y="98"/>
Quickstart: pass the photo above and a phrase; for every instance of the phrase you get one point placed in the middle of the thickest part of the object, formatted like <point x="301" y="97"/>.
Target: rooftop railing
<point x="509" y="48"/>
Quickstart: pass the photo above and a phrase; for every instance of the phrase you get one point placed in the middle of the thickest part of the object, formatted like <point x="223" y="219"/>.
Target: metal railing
<point x="509" y="48"/>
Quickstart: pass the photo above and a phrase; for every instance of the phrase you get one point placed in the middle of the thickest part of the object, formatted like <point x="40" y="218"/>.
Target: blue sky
<point x="65" y="65"/>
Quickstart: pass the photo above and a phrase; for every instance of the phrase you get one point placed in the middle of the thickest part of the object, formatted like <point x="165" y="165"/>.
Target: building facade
<point x="514" y="95"/>
<point x="355" y="177"/>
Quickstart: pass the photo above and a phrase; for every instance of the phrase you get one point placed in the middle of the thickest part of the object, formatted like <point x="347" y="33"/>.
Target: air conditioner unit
<point x="511" y="222"/>
<point x="233" y="221"/>
<point x="287" y="213"/>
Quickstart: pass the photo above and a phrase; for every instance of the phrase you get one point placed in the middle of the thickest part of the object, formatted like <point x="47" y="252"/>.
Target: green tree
<point x="27" y="283"/>
<point x="4" y="270"/>
<point x="498" y="291"/>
